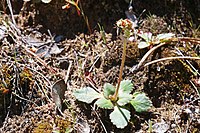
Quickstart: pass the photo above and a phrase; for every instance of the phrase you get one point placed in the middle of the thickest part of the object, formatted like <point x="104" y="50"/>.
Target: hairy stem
<point x="114" y="97"/>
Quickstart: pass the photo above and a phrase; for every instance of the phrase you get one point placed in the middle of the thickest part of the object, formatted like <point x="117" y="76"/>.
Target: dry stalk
<point x="68" y="71"/>
<point x="145" y="57"/>
<point x="171" y="58"/>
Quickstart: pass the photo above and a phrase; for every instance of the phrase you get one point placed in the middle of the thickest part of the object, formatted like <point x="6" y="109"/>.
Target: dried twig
<point x="195" y="88"/>
<point x="104" y="128"/>
<point x="11" y="11"/>
<point x="144" y="58"/>
<point x="24" y="99"/>
<point x="194" y="69"/>
<point x="37" y="73"/>
<point x="68" y="71"/>
<point x="171" y="58"/>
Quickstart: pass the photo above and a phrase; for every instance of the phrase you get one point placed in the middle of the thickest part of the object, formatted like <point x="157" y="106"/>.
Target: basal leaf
<point x="124" y="98"/>
<point x="146" y="36"/>
<point x="46" y="1"/>
<point x="108" y="90"/>
<point x="86" y="94"/>
<point x="126" y="86"/>
<point x="165" y="36"/>
<point x="136" y="93"/>
<point x="141" y="102"/>
<point x="120" y="117"/>
<point x="142" y="45"/>
<point x="104" y="103"/>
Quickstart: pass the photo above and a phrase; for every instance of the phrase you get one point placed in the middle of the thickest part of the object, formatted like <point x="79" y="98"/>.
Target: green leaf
<point x="104" y="103"/>
<point x="124" y="98"/>
<point x="120" y="117"/>
<point x="141" y="102"/>
<point x="86" y="94"/>
<point x="146" y="36"/>
<point x="142" y="45"/>
<point x="46" y="1"/>
<point x="126" y="86"/>
<point x="165" y="36"/>
<point x="108" y="90"/>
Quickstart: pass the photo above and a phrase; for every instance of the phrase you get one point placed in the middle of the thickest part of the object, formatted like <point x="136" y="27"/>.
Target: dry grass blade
<point x="144" y="58"/>
<point x="171" y="58"/>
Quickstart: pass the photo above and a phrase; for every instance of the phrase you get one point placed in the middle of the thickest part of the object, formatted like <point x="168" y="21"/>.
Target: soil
<point x="72" y="51"/>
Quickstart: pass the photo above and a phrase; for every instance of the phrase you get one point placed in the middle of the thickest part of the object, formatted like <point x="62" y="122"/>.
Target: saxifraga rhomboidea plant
<point x="120" y="115"/>
<point x="118" y="97"/>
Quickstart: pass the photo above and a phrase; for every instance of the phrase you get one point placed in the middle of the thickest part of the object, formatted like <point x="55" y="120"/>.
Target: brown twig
<point x="189" y="39"/>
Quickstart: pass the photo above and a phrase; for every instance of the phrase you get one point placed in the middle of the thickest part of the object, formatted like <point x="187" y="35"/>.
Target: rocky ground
<point x="48" y="44"/>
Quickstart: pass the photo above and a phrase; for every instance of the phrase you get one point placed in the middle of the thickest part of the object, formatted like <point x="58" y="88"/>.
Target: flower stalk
<point x="115" y="96"/>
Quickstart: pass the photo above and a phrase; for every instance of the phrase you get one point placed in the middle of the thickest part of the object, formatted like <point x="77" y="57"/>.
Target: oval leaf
<point x="124" y="98"/>
<point x="146" y="36"/>
<point x="108" y="90"/>
<point x="104" y="103"/>
<point x="126" y="86"/>
<point x="86" y="94"/>
<point x="58" y="91"/>
<point x="120" y="117"/>
<point x="141" y="102"/>
<point x="142" y="45"/>
<point x="165" y="36"/>
<point x="46" y="1"/>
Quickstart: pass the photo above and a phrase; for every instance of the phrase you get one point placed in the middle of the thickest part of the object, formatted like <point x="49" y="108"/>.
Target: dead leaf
<point x="43" y="52"/>
<point x="34" y="41"/>
<point x="58" y="91"/>
<point x="55" y="50"/>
